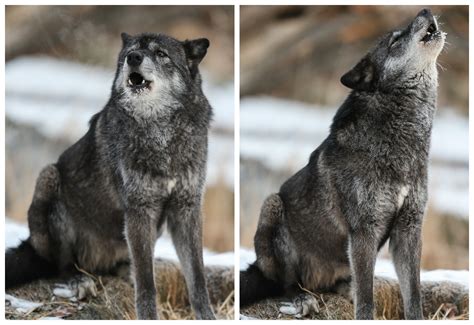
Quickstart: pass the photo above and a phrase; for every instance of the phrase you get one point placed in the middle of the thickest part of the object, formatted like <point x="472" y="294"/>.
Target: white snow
<point x="450" y="139"/>
<point x="59" y="98"/>
<point x="449" y="189"/>
<point x="21" y="305"/>
<point x="15" y="232"/>
<point x="383" y="267"/>
<point x="283" y="133"/>
<point x="46" y="77"/>
<point x="164" y="249"/>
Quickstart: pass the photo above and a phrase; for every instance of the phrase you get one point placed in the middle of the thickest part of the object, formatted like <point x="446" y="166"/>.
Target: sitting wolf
<point x="366" y="183"/>
<point x="141" y="164"/>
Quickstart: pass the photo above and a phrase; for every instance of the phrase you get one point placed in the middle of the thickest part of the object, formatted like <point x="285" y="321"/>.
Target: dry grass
<point x="115" y="299"/>
<point x="441" y="300"/>
<point x="445" y="242"/>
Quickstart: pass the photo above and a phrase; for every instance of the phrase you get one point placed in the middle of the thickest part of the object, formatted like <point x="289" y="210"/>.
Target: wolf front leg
<point x="140" y="239"/>
<point x="363" y="253"/>
<point x="405" y="246"/>
<point x="185" y="226"/>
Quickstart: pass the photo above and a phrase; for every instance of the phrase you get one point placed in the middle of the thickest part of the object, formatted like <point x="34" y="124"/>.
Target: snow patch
<point x="164" y="249"/>
<point x="21" y="305"/>
<point x="15" y="233"/>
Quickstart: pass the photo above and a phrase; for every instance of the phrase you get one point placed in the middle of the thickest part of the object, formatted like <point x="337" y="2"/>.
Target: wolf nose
<point x="134" y="59"/>
<point x="425" y="12"/>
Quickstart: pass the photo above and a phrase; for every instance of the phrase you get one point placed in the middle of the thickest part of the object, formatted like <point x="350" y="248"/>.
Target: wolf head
<point x="156" y="70"/>
<point x="402" y="58"/>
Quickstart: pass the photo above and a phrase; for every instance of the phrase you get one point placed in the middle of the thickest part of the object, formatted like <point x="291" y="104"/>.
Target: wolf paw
<point x="302" y="305"/>
<point x="77" y="288"/>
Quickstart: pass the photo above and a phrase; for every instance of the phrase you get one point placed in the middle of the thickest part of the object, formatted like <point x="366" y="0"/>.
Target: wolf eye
<point x="161" y="54"/>
<point x="395" y="39"/>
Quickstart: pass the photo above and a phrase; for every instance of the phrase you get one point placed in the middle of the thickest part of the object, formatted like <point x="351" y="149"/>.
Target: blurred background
<point x="60" y="63"/>
<point x="292" y="58"/>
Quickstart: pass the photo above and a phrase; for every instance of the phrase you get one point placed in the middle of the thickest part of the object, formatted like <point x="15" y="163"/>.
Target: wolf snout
<point x="134" y="59"/>
<point x="426" y="26"/>
<point x="425" y="16"/>
<point x="425" y="12"/>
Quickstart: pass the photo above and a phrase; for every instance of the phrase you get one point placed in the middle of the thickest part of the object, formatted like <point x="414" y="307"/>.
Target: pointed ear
<point x="195" y="51"/>
<point x="361" y="77"/>
<point x="125" y="38"/>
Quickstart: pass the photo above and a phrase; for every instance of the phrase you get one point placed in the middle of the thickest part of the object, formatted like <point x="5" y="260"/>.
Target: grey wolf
<point x="141" y="165"/>
<point x="365" y="184"/>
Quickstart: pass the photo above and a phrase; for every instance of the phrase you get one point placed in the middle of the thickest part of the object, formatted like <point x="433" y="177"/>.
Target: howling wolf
<point x="141" y="164"/>
<point x="366" y="183"/>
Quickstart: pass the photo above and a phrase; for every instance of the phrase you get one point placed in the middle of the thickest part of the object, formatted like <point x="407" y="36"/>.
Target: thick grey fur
<point x="366" y="183"/>
<point x="141" y="165"/>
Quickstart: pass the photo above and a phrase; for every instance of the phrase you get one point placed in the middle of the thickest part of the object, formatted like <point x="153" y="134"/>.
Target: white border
<point x="2" y="162"/>
<point x="236" y="159"/>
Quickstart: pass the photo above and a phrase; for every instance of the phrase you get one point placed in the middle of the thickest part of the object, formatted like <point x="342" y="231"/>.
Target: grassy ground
<point x="441" y="300"/>
<point x="115" y="297"/>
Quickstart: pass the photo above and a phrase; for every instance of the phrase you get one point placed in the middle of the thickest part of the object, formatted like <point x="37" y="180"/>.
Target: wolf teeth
<point x="143" y="81"/>
<point x="130" y="82"/>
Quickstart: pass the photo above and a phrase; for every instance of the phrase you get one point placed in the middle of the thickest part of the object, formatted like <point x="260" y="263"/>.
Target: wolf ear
<point x="125" y="38"/>
<point x="195" y="51"/>
<point x="361" y="77"/>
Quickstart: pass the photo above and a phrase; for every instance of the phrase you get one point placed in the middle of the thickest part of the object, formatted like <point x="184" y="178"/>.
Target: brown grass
<point x="445" y="242"/>
<point x="441" y="300"/>
<point x="115" y="298"/>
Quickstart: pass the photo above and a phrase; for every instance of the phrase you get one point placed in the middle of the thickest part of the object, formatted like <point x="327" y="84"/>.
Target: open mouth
<point x="137" y="82"/>
<point x="431" y="33"/>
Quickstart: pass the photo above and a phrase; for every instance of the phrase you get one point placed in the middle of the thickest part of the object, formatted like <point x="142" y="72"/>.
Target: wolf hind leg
<point x="269" y="224"/>
<point x="261" y="280"/>
<point x="44" y="197"/>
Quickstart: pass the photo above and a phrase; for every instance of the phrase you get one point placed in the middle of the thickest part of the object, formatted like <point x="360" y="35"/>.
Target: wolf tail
<point x="254" y="286"/>
<point x="23" y="265"/>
